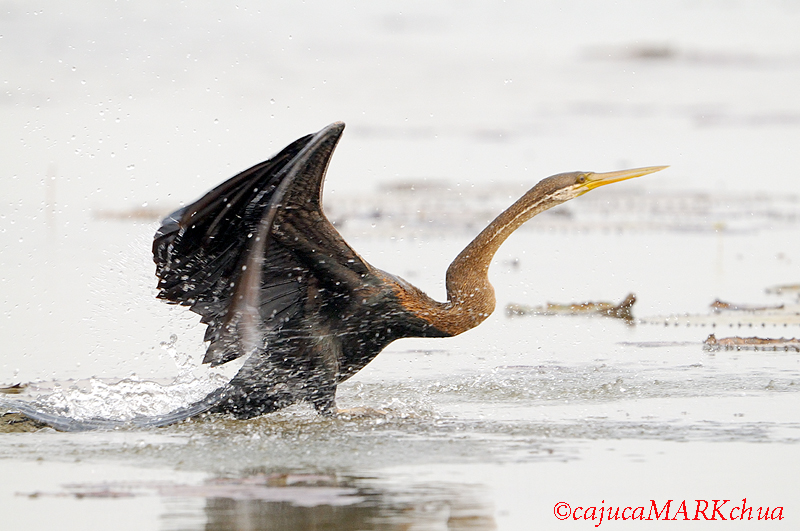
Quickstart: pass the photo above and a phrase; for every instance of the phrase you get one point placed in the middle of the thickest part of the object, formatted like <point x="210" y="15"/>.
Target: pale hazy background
<point x="108" y="106"/>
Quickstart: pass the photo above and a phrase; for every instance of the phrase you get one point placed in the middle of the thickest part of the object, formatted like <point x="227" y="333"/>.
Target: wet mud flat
<point x="487" y="430"/>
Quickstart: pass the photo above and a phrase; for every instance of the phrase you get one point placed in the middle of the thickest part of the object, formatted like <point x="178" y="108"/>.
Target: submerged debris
<point x="608" y="309"/>
<point x="750" y="343"/>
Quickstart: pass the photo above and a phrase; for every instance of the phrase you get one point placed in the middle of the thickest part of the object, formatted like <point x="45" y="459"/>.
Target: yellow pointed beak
<point x="596" y="180"/>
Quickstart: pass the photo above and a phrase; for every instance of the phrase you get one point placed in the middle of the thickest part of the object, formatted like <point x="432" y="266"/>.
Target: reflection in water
<point x="266" y="502"/>
<point x="226" y="514"/>
<point x="281" y="502"/>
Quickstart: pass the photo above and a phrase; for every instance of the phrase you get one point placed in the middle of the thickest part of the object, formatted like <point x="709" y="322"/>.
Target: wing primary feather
<point x="221" y="257"/>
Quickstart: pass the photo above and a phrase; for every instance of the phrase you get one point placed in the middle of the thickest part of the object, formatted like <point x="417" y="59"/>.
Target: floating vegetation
<point x="142" y="213"/>
<point x="772" y="318"/>
<point x="436" y="207"/>
<point x="665" y="52"/>
<point x="15" y="389"/>
<point x="305" y="490"/>
<point x="784" y="289"/>
<point x="750" y="343"/>
<point x="736" y="315"/>
<point x="719" y="306"/>
<point x="18" y="423"/>
<point x="602" y="308"/>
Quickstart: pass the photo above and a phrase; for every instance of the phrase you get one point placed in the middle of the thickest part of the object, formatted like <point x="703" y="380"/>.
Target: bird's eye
<point x="582" y="179"/>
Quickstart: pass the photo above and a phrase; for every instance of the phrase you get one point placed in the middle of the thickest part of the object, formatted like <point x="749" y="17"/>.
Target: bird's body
<point x="276" y="283"/>
<point x="334" y="336"/>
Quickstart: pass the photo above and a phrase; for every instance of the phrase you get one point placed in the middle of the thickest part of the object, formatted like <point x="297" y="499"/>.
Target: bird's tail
<point x="64" y="423"/>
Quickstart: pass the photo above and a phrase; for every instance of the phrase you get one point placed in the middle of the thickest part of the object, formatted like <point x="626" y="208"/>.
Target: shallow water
<point x="486" y="430"/>
<point x="115" y="116"/>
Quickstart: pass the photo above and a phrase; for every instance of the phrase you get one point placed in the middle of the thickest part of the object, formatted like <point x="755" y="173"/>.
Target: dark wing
<point x="239" y="255"/>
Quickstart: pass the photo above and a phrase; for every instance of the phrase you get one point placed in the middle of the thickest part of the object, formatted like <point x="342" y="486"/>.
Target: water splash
<point x="133" y="397"/>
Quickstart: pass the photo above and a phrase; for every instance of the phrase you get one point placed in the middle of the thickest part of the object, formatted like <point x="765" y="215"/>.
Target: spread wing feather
<point x="263" y="227"/>
<point x="198" y="247"/>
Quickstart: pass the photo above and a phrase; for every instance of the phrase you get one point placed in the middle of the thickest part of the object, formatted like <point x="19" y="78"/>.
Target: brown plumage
<point x="274" y="281"/>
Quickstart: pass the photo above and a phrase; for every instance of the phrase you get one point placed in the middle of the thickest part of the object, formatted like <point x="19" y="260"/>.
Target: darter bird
<point x="275" y="282"/>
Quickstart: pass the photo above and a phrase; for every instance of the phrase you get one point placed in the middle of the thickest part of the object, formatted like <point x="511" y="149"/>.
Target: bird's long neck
<point x="470" y="296"/>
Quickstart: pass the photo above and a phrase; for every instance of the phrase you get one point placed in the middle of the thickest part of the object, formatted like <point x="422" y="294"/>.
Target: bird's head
<point x="566" y="186"/>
